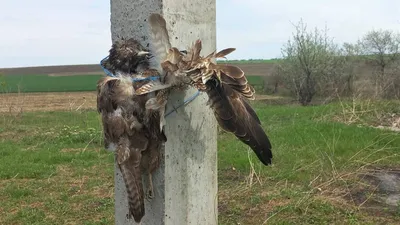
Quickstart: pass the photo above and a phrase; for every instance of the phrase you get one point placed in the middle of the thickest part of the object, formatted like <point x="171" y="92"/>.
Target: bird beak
<point x="143" y="53"/>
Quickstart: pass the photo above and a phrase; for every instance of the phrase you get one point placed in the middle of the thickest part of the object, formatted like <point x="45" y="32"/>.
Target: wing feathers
<point x="151" y="87"/>
<point x="223" y="53"/>
<point x="235" y="115"/>
<point x="160" y="39"/>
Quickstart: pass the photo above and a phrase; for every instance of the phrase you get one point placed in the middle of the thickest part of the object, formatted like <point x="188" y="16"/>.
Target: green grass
<point x="45" y="83"/>
<point x="250" y="61"/>
<point x="53" y="169"/>
<point x="255" y="80"/>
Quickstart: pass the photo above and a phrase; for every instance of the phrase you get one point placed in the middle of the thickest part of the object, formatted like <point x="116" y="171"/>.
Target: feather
<point x="226" y="86"/>
<point x="236" y="116"/>
<point x="131" y="116"/>
<point x="223" y="53"/>
<point x="129" y="160"/>
<point x="160" y="43"/>
<point x="151" y="87"/>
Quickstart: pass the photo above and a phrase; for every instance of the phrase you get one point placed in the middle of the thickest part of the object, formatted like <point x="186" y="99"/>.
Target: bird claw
<point x="150" y="194"/>
<point x="208" y="103"/>
<point x="150" y="190"/>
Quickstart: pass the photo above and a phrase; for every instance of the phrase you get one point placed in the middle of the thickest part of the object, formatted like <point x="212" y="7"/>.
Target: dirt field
<point x="57" y="101"/>
<point x="15" y="103"/>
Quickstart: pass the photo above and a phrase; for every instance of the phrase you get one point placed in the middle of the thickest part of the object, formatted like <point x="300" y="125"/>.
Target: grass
<point x="250" y="61"/>
<point x="53" y="169"/>
<point x="45" y="83"/>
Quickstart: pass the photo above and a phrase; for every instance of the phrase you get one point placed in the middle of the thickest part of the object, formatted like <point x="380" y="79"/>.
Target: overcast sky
<point x="49" y="32"/>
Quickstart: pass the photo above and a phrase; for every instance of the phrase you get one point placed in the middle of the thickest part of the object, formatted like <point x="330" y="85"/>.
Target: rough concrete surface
<point x="186" y="182"/>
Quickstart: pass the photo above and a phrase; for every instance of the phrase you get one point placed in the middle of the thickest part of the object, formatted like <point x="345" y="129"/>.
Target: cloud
<point x="48" y="32"/>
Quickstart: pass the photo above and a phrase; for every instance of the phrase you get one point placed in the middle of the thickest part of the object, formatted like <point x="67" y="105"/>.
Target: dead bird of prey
<point x="132" y="123"/>
<point x="132" y="104"/>
<point x="228" y="91"/>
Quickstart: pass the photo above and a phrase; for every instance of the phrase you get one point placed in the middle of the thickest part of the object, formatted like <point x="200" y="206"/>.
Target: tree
<point x="351" y="53"/>
<point x="311" y="63"/>
<point x="381" y="49"/>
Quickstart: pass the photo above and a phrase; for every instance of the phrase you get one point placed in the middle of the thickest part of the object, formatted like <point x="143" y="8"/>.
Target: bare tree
<point x="311" y="63"/>
<point x="351" y="53"/>
<point x="381" y="49"/>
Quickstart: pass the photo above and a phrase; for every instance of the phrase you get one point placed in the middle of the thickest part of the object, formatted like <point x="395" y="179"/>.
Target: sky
<point x="48" y="32"/>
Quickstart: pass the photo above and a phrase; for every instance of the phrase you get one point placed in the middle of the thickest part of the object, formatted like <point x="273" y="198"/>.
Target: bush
<point x="312" y="64"/>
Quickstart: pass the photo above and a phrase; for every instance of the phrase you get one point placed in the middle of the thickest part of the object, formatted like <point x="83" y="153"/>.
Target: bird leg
<point x="135" y="124"/>
<point x="150" y="189"/>
<point x="151" y="162"/>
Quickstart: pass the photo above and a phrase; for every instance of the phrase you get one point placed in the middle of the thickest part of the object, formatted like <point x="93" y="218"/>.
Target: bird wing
<point x="160" y="43"/>
<point x="105" y="88"/>
<point x="150" y="87"/>
<point x="235" y="115"/>
<point x="236" y="79"/>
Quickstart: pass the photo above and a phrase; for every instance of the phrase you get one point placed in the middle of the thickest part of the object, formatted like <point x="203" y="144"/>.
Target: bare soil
<point x="52" y="101"/>
<point x="58" y="101"/>
<point x="378" y="189"/>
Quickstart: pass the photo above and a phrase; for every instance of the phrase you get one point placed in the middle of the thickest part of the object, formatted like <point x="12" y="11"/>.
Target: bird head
<point x="128" y="55"/>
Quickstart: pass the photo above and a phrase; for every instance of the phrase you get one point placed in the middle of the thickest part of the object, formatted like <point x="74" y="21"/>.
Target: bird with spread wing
<point x="227" y="88"/>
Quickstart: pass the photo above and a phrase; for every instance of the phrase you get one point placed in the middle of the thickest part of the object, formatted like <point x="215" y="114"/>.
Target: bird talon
<point x="150" y="190"/>
<point x="150" y="194"/>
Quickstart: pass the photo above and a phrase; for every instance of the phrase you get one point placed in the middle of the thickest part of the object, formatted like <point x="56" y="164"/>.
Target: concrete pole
<point x="186" y="182"/>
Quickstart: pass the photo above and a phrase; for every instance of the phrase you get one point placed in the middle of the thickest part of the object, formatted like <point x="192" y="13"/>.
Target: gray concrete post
<point x="186" y="182"/>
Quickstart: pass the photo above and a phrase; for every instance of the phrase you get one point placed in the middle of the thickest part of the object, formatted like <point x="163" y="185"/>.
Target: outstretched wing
<point x="235" y="115"/>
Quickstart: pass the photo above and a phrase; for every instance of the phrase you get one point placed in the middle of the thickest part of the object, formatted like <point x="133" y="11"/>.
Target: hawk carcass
<point x="228" y="92"/>
<point x="132" y="122"/>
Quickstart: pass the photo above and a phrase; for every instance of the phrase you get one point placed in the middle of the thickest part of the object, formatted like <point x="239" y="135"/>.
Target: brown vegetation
<point x="59" y="101"/>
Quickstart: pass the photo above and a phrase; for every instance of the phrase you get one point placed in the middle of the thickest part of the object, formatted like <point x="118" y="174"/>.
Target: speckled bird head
<point x="127" y="56"/>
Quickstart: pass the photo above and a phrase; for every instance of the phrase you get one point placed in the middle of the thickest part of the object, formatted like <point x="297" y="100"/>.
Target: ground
<point x="331" y="165"/>
<point x="327" y="168"/>
<point x="58" y="101"/>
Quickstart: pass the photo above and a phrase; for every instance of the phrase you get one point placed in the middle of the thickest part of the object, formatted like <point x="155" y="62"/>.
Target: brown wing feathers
<point x="235" y="115"/>
<point x="228" y="89"/>
<point x="132" y="114"/>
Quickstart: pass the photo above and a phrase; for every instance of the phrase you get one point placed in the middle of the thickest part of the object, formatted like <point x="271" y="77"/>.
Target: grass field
<point x="250" y="61"/>
<point x="46" y="83"/>
<point x="70" y="83"/>
<point x="53" y="169"/>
